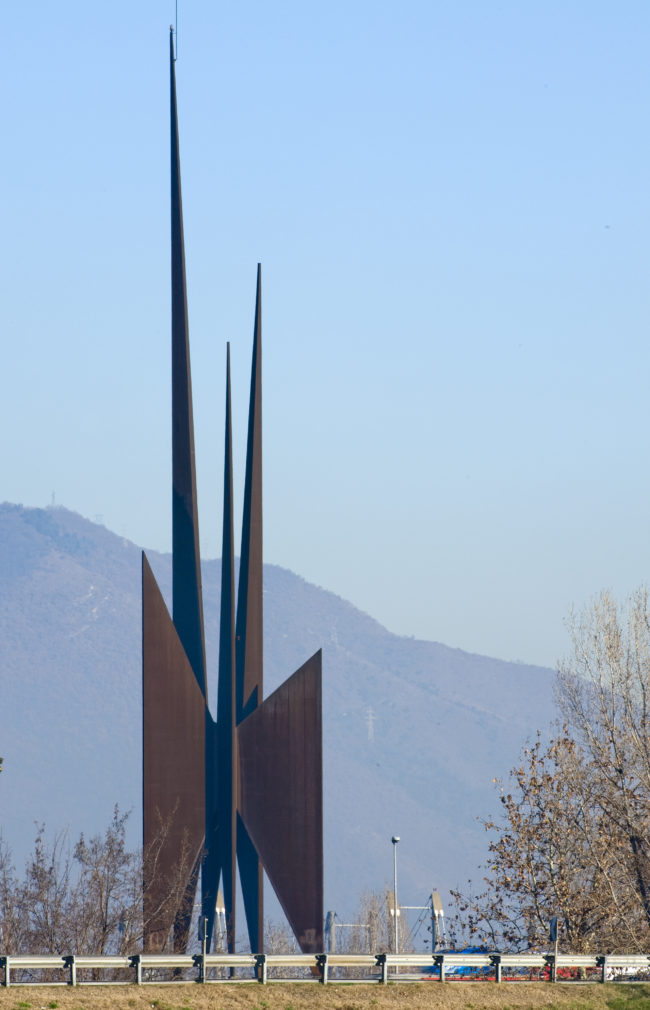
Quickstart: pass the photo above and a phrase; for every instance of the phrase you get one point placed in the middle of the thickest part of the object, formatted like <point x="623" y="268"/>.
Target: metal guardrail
<point x="147" y="968"/>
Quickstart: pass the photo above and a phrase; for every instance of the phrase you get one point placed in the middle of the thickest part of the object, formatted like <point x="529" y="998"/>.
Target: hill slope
<point x="414" y="732"/>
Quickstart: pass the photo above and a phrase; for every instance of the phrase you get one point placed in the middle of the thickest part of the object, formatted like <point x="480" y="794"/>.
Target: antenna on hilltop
<point x="370" y="721"/>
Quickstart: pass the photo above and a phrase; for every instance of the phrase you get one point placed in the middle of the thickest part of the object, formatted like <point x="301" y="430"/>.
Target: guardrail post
<point x="551" y="962"/>
<point x="137" y="964"/>
<point x="439" y="960"/>
<point x="602" y="964"/>
<point x="380" y="960"/>
<point x="260" y="968"/>
<point x="322" y="964"/>
<point x="200" y="964"/>
<point x="4" y="965"/>
<point x="69" y="962"/>
<point x="496" y="961"/>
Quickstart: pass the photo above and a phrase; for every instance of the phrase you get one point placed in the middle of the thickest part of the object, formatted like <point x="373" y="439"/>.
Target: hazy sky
<point x="450" y="201"/>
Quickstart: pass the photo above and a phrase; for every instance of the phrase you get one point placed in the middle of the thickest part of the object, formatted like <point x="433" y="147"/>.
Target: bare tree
<point x="46" y="896"/>
<point x="604" y="688"/>
<point x="551" y="855"/>
<point x="13" y="921"/>
<point x="574" y="839"/>
<point x="106" y="894"/>
<point x="88" y="898"/>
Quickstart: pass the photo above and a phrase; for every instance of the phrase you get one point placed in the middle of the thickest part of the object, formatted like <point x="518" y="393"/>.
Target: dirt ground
<point x="312" y="996"/>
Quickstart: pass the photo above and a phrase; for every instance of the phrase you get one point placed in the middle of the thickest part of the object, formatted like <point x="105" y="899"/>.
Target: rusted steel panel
<point x="173" y="766"/>
<point x="280" y="797"/>
<point x="186" y="564"/>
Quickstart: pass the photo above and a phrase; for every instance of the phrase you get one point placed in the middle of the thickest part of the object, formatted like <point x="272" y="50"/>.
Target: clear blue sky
<point x="451" y="204"/>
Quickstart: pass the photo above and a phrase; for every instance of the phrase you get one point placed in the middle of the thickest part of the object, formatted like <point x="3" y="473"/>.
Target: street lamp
<point x="395" y="840"/>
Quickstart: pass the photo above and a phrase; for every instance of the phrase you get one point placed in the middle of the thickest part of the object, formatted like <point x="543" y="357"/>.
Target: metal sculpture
<point x="245" y="789"/>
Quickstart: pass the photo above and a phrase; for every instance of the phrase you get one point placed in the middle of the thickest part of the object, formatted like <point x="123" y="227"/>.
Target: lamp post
<point x="395" y="840"/>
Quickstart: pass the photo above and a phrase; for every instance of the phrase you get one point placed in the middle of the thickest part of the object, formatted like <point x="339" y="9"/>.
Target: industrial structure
<point x="244" y="789"/>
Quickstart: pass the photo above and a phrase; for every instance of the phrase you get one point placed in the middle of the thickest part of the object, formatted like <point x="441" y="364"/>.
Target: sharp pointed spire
<point x="187" y="595"/>
<point x="249" y="598"/>
<point x="249" y="628"/>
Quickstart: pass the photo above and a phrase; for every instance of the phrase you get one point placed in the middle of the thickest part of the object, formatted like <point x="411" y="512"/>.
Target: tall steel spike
<point x="249" y="626"/>
<point x="251" y="877"/>
<point x="249" y="598"/>
<point x="225" y="792"/>
<point x="186" y="564"/>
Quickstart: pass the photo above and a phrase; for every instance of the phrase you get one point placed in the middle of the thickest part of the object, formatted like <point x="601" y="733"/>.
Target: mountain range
<point x="414" y="732"/>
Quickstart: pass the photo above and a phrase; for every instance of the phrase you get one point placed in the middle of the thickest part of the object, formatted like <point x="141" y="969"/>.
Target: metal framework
<point x="244" y="789"/>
